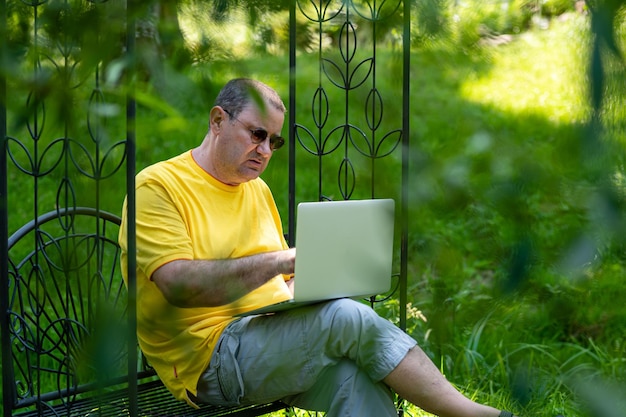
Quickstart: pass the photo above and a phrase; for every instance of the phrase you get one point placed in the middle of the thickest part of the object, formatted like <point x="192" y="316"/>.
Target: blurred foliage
<point x="517" y="172"/>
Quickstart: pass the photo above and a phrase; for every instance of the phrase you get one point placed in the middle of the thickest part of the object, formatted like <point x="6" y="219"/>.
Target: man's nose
<point x="264" y="147"/>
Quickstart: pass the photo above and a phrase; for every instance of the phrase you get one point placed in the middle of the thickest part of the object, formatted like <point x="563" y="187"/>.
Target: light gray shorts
<point x="327" y="357"/>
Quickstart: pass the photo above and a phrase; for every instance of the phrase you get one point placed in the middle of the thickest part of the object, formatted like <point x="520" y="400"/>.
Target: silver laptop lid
<point x="343" y="249"/>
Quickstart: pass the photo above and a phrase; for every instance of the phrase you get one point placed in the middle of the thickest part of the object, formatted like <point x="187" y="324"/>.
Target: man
<point x="210" y="245"/>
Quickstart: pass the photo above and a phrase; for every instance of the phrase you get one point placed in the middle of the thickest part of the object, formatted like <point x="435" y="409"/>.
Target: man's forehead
<point x="262" y="110"/>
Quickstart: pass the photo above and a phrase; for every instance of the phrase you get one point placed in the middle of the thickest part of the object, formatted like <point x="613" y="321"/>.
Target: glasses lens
<point x="259" y="135"/>
<point x="276" y="142"/>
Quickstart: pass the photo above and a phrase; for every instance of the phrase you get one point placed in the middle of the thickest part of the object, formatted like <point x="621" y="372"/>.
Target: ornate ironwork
<point x="67" y="306"/>
<point x="354" y="136"/>
<point x="352" y="70"/>
<point x="62" y="271"/>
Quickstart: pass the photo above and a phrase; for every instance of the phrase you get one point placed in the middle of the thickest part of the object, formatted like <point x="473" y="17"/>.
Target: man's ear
<point x="216" y="117"/>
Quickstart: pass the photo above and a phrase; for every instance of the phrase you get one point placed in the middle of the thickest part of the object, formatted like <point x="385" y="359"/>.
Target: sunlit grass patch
<point x="539" y="73"/>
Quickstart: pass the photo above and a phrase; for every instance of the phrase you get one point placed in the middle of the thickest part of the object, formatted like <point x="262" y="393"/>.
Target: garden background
<point x="517" y="178"/>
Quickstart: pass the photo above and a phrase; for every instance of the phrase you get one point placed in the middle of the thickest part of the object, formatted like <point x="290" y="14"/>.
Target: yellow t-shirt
<point x="184" y="213"/>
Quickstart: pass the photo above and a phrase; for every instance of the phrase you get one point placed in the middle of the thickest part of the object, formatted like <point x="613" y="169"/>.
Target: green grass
<point x="511" y="263"/>
<point x="516" y="255"/>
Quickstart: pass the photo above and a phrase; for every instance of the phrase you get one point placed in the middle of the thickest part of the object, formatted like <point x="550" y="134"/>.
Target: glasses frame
<point x="258" y="135"/>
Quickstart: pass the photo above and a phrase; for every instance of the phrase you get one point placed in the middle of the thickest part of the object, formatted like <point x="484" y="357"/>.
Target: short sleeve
<point x="162" y="235"/>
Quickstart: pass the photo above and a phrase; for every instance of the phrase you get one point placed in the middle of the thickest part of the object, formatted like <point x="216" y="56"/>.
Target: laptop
<point x="344" y="249"/>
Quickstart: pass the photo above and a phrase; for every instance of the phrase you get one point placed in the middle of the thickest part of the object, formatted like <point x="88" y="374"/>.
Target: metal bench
<point x="65" y="329"/>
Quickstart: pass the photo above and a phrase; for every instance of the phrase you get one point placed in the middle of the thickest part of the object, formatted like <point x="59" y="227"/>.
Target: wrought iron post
<point x="7" y="384"/>
<point x="130" y="190"/>
<point x="406" y="147"/>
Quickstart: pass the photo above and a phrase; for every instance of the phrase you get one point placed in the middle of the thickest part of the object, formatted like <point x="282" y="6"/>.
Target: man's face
<point x="236" y="156"/>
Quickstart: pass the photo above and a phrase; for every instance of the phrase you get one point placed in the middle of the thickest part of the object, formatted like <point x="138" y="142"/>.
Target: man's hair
<point x="240" y="92"/>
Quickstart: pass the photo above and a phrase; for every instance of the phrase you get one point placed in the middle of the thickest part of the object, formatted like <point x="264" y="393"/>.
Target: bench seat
<point x="153" y="400"/>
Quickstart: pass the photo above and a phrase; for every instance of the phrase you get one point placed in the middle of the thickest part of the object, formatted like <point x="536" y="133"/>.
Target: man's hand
<point x="211" y="283"/>
<point x="290" y="286"/>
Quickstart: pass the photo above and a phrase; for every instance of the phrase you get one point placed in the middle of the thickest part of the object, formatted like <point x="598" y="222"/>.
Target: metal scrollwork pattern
<point x="64" y="280"/>
<point x="356" y="128"/>
<point x="350" y="70"/>
<point x="67" y="303"/>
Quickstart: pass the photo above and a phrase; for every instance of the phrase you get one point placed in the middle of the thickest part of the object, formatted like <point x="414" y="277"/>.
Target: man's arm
<point x="212" y="283"/>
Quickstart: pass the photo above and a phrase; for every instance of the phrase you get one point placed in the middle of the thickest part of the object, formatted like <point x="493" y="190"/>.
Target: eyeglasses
<point x="259" y="135"/>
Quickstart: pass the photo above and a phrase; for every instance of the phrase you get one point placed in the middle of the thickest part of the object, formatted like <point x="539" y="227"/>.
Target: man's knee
<point x="351" y="309"/>
<point x="356" y="315"/>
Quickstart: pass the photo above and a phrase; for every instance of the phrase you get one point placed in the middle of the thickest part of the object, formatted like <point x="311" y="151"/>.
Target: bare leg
<point x="418" y="380"/>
